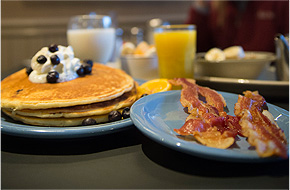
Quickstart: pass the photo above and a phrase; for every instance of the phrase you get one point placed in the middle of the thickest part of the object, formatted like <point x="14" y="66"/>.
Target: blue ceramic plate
<point x="11" y="127"/>
<point x="158" y="114"/>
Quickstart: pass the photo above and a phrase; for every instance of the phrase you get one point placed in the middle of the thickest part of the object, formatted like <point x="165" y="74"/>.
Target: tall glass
<point x="176" y="49"/>
<point x="92" y="37"/>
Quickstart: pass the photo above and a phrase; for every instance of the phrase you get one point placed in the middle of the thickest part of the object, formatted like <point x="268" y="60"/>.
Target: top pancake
<point x="105" y="83"/>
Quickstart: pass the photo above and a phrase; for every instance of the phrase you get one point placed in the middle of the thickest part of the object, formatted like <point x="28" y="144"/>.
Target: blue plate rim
<point x="25" y="130"/>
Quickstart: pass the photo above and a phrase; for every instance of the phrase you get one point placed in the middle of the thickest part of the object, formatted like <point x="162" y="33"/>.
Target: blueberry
<point x="54" y="59"/>
<point x="88" y="69"/>
<point x="89" y="62"/>
<point x="89" y="121"/>
<point x="144" y="95"/>
<point x="53" y="48"/>
<point x="81" y="71"/>
<point x="52" y="77"/>
<point x="115" y="116"/>
<point x="41" y="59"/>
<point x="126" y="113"/>
<point x="28" y="70"/>
<point x="186" y="110"/>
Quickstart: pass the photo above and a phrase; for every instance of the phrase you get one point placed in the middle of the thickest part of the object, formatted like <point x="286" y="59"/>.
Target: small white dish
<point x="140" y="67"/>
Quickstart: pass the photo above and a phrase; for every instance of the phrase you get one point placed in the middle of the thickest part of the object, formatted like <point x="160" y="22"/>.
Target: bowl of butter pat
<point x="232" y="62"/>
<point x="139" y="61"/>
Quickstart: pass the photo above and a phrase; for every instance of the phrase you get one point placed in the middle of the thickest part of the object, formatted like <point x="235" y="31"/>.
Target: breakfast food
<point x="127" y="48"/>
<point x="234" y="52"/>
<point x="261" y="132"/>
<point x="93" y="91"/>
<point x="142" y="49"/>
<point x="216" y="54"/>
<point x="207" y="121"/>
<point x="212" y="126"/>
<point x="153" y="86"/>
<point x="56" y="64"/>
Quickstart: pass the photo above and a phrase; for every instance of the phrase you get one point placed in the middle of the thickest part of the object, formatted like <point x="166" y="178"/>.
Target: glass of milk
<point x="92" y="37"/>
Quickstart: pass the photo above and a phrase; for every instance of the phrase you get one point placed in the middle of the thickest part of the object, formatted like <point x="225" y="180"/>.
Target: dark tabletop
<point x="125" y="159"/>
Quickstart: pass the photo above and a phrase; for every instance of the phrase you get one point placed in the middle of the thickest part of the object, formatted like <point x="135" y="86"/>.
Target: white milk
<point x="96" y="44"/>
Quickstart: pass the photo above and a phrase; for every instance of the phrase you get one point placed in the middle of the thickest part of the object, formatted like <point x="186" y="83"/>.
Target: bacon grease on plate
<point x="210" y="125"/>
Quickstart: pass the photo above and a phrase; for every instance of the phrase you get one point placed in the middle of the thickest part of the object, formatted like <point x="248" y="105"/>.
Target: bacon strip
<point x="211" y="126"/>
<point x="259" y="100"/>
<point x="207" y="121"/>
<point x="210" y="131"/>
<point x="268" y="139"/>
<point x="191" y="92"/>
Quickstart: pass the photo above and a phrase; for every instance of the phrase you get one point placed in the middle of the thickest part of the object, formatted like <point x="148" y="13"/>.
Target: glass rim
<point x="87" y="17"/>
<point x="176" y="27"/>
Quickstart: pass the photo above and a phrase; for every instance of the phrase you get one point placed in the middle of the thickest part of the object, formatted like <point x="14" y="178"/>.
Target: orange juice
<point x="176" y="49"/>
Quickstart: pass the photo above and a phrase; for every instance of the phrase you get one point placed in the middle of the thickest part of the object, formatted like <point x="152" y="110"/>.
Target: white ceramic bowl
<point x="140" y="67"/>
<point x="249" y="67"/>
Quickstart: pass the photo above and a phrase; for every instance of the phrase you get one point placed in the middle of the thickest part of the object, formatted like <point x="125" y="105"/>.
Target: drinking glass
<point x="92" y="37"/>
<point x="176" y="49"/>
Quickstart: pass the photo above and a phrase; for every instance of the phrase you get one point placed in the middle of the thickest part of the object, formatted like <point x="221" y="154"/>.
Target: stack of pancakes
<point x="67" y="103"/>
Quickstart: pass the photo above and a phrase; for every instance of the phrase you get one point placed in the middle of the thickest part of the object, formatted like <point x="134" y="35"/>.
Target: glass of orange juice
<point x="176" y="48"/>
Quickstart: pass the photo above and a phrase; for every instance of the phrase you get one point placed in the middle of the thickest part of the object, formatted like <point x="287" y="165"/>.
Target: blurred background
<point x="29" y="25"/>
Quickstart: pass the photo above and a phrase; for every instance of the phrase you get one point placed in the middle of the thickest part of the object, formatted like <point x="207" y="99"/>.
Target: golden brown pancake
<point x="60" y="122"/>
<point x="105" y="83"/>
<point x="67" y="103"/>
<point x="99" y="108"/>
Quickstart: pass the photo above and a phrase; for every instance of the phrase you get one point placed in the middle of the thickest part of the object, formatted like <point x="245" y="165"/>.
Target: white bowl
<point x="140" y="67"/>
<point x="249" y="67"/>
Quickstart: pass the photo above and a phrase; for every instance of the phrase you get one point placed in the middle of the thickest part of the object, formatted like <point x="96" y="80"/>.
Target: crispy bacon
<point x="232" y="123"/>
<point x="207" y="121"/>
<point x="193" y="125"/>
<point x="191" y="94"/>
<point x="222" y="124"/>
<point x="211" y="126"/>
<point x="251" y="100"/>
<point x="206" y="134"/>
<point x="268" y="139"/>
<point x="257" y="98"/>
<point x="212" y="98"/>
<point x="214" y="138"/>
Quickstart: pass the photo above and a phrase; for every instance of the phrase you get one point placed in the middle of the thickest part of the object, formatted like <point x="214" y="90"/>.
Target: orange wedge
<point x="154" y="86"/>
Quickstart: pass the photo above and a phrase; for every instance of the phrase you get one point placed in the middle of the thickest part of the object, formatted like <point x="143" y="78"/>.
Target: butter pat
<point x="215" y="54"/>
<point x="127" y="48"/>
<point x="234" y="52"/>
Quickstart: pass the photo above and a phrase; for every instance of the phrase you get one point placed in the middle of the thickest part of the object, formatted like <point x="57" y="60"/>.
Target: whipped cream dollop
<point x="58" y="59"/>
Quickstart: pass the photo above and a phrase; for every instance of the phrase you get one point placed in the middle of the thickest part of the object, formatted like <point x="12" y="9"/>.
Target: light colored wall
<point x="26" y="26"/>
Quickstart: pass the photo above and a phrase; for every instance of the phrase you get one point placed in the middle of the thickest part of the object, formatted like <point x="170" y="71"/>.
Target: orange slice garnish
<point x="154" y="86"/>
